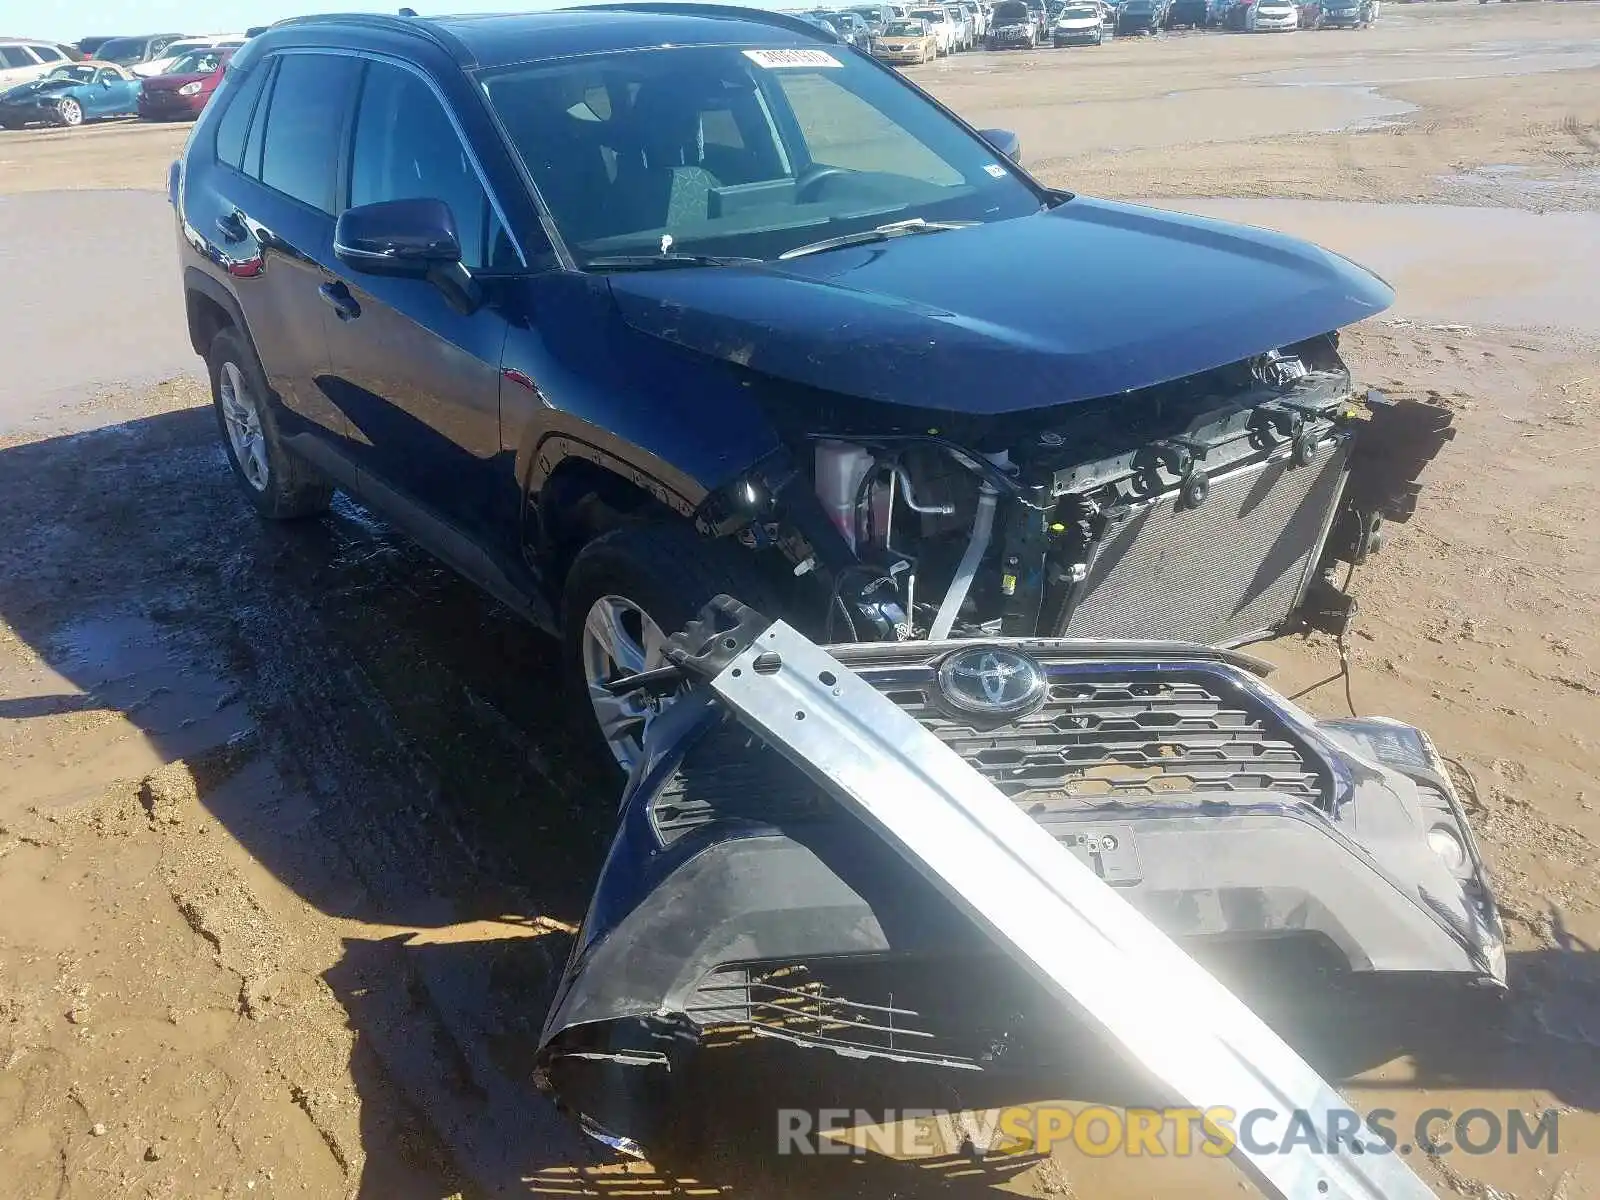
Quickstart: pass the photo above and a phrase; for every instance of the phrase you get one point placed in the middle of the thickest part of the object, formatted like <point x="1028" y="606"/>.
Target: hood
<point x="23" y="91"/>
<point x="1086" y="300"/>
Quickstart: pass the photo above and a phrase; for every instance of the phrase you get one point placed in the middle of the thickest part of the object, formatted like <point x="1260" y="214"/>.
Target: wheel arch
<point x="210" y="309"/>
<point x="579" y="492"/>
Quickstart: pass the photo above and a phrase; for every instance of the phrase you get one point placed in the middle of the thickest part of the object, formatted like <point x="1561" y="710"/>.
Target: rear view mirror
<point x="408" y="238"/>
<point x="1003" y="140"/>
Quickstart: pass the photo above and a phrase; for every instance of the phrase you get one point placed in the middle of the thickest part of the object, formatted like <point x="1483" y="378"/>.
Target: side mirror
<point x="405" y="238"/>
<point x="1003" y="140"/>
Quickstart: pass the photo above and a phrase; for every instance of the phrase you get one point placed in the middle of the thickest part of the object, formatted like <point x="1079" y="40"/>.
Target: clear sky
<point x="69" y="20"/>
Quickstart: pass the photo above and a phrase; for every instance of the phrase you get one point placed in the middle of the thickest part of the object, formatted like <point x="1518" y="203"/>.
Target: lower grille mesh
<point x="1223" y="572"/>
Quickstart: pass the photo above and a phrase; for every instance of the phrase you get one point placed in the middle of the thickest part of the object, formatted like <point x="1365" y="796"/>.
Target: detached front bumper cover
<point x="691" y="916"/>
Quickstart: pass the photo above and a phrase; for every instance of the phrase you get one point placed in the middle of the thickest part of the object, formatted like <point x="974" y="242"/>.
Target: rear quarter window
<point x="240" y="99"/>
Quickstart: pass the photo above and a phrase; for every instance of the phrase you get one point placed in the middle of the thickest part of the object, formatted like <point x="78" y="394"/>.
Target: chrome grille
<point x="1226" y="571"/>
<point x="1108" y="736"/>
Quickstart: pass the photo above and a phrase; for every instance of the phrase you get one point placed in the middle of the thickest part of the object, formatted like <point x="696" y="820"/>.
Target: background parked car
<point x="905" y="40"/>
<point x="944" y="29"/>
<point x="1237" y="15"/>
<point x="1273" y="16"/>
<point x="1140" y="16"/>
<point x="977" y="18"/>
<point x="1196" y="14"/>
<point x="1341" y="14"/>
<point x="875" y="15"/>
<point x="1078" y="23"/>
<point x="183" y="46"/>
<point x="70" y="95"/>
<point x="851" y="26"/>
<point x="1012" y="27"/>
<point x="963" y="26"/>
<point x="182" y="94"/>
<point x="131" y="51"/>
<point x="23" y="61"/>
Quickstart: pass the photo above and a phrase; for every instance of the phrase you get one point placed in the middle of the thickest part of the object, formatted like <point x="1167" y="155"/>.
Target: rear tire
<point x="280" y="484"/>
<point x="662" y="572"/>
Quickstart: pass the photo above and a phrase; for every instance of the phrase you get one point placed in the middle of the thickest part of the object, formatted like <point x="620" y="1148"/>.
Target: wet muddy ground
<point x="291" y="842"/>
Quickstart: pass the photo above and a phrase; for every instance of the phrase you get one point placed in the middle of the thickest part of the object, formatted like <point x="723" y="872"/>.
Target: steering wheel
<point x="808" y="180"/>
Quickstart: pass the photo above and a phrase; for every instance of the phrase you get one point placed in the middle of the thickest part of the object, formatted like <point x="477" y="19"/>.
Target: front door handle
<point x="339" y="299"/>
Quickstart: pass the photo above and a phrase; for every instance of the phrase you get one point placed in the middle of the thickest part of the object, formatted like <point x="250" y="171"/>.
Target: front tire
<point x="627" y="592"/>
<point x="277" y="482"/>
<point x="70" y="113"/>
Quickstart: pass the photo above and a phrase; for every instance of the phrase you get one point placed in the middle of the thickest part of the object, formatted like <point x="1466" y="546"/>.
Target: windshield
<point x="904" y="29"/>
<point x="929" y="14"/>
<point x="1010" y="14"/>
<point x="1075" y="11"/>
<point x="729" y="151"/>
<point x="125" y="52"/>
<point x="74" y="74"/>
<point x="199" y="62"/>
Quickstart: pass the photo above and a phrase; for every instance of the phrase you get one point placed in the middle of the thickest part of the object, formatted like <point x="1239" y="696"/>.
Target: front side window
<point x="406" y="149"/>
<point x="304" y="122"/>
<point x="15" y="56"/>
<point x="740" y="151"/>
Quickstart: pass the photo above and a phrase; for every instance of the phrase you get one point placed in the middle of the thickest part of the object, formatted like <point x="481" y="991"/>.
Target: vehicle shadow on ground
<point x="411" y="766"/>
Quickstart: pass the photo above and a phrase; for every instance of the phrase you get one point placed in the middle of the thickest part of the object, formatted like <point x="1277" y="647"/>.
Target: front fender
<point x="577" y="382"/>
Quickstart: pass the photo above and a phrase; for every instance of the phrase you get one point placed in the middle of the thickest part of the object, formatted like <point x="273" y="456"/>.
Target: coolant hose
<point x="977" y="546"/>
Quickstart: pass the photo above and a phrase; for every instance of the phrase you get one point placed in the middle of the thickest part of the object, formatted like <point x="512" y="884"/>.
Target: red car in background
<point x="182" y="93"/>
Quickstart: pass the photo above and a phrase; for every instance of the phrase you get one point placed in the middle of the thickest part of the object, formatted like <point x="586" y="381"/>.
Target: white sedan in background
<point x="1272" y="16"/>
<point x="944" y="29"/>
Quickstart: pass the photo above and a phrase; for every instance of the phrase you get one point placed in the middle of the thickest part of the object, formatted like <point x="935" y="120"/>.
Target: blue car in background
<point x="70" y="95"/>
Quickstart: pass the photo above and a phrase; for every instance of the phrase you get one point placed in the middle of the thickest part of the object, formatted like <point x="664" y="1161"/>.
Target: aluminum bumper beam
<point x="1053" y="914"/>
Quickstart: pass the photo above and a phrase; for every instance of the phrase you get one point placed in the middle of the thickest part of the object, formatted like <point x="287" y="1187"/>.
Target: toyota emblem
<point x="992" y="682"/>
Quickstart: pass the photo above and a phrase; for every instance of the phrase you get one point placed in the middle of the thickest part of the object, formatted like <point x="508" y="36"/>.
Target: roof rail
<point x="758" y="15"/>
<point x="415" y="26"/>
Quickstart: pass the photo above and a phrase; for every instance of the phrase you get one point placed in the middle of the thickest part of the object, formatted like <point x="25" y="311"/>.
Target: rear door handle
<point x="339" y="299"/>
<point x="232" y="227"/>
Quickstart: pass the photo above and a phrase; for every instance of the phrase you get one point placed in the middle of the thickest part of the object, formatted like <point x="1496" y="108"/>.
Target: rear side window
<point x="235" y="122"/>
<point x="407" y="149"/>
<point x="305" y="124"/>
<point x="48" y="53"/>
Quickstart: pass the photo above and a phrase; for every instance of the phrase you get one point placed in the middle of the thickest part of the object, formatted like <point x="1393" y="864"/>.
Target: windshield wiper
<point x="650" y="262"/>
<point x="881" y="233"/>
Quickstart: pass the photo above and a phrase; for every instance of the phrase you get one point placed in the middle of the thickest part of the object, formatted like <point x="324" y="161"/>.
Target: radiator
<point x="1224" y="572"/>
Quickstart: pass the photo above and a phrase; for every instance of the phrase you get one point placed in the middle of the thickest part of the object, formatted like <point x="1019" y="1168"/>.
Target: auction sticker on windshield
<point x="792" y="58"/>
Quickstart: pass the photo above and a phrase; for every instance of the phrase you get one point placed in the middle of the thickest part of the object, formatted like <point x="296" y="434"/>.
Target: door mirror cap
<point x="1003" y="140"/>
<point x="407" y="238"/>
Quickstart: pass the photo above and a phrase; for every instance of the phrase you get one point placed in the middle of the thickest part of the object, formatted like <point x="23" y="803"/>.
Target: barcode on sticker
<point x="792" y="58"/>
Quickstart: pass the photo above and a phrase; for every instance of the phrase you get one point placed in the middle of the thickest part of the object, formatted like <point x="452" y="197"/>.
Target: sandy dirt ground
<point x="291" y="843"/>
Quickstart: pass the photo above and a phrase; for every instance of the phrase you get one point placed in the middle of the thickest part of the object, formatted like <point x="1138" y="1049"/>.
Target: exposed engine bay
<point x="1214" y="508"/>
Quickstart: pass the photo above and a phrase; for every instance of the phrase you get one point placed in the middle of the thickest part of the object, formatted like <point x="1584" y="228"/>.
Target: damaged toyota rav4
<point x="618" y="308"/>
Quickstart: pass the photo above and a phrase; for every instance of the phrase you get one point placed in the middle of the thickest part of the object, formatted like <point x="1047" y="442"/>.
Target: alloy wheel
<point x="71" y="112"/>
<point x="242" y="416"/>
<point x="620" y="639"/>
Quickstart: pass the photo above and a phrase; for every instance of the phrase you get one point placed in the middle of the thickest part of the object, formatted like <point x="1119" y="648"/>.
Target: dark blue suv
<point x="617" y="308"/>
